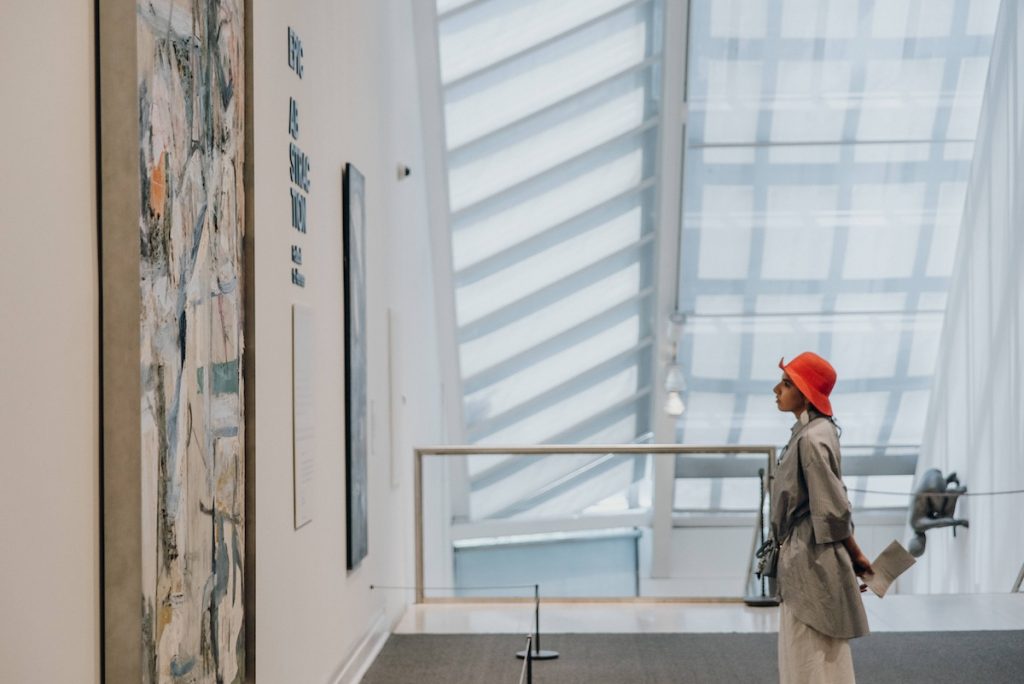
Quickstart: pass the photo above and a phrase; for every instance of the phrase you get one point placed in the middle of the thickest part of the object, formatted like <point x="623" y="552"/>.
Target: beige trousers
<point x="806" y="656"/>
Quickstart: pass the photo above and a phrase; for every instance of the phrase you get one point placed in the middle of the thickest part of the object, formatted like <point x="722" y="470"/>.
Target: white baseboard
<point x="352" y="670"/>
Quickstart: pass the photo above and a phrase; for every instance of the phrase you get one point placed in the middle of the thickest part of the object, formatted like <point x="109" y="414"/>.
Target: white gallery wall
<point x="357" y="102"/>
<point x="316" y="622"/>
<point x="49" y="346"/>
<point x="976" y="418"/>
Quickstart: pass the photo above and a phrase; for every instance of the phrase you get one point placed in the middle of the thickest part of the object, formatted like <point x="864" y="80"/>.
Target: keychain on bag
<point x="768" y="558"/>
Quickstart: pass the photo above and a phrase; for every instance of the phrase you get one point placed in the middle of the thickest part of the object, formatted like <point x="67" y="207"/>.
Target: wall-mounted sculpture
<point x="935" y="500"/>
<point x="172" y="202"/>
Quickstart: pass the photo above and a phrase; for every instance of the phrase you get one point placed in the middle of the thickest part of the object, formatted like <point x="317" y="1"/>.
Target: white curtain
<point x="975" y="422"/>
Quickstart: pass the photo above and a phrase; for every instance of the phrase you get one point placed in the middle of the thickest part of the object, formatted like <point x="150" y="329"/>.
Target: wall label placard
<point x="298" y="163"/>
<point x="303" y="414"/>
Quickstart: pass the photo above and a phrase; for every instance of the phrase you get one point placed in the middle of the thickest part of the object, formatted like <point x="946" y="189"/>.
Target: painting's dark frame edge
<point x="249" y="359"/>
<point x="346" y="293"/>
<point x="118" y="207"/>
<point x="98" y="217"/>
<point x="349" y="170"/>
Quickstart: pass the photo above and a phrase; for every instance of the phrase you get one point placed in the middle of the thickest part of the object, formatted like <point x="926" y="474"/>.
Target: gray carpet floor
<point x="898" y="657"/>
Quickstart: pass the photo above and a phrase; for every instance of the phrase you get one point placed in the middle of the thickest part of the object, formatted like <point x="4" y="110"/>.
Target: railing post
<point x="418" y="512"/>
<point x="661" y="516"/>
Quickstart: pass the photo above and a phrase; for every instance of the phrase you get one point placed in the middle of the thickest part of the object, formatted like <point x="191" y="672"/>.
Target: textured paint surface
<point x="191" y="116"/>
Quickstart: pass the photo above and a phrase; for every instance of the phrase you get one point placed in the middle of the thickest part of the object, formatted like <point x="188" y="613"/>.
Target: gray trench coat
<point x="811" y="513"/>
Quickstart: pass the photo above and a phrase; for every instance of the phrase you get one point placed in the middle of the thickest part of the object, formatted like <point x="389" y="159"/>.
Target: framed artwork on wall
<point x="172" y="117"/>
<point x="356" y="408"/>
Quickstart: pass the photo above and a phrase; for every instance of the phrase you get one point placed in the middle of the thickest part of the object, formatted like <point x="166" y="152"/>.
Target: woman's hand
<point x="861" y="567"/>
<point x="861" y="564"/>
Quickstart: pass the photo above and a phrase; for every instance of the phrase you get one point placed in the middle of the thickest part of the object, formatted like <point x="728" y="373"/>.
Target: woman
<point x="819" y="560"/>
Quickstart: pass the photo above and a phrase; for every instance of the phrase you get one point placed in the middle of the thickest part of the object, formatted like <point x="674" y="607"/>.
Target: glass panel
<point x="716" y="493"/>
<point x="551" y="121"/>
<point x="476" y="239"/>
<point x="493" y="30"/>
<point x="527" y="156"/>
<point x="545" y="424"/>
<point x="550" y="321"/>
<point x="533" y="273"/>
<point x="552" y="116"/>
<point x="552" y="519"/>
<point x="563" y="520"/>
<point x="553" y="371"/>
<point x="827" y="148"/>
<point x="581" y="565"/>
<point x="510" y="93"/>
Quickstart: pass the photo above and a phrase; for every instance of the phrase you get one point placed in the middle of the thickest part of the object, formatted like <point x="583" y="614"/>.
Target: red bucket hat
<point x="814" y="377"/>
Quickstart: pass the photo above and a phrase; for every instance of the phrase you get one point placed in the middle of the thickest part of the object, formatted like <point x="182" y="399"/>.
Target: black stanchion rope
<point x="916" y="494"/>
<point x="536" y="653"/>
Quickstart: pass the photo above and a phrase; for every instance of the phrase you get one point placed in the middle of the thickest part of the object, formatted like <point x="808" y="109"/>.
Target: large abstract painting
<point x="355" y="364"/>
<point x="190" y="116"/>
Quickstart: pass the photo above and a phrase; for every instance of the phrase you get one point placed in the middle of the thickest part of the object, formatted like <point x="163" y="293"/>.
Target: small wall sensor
<point x="403" y="171"/>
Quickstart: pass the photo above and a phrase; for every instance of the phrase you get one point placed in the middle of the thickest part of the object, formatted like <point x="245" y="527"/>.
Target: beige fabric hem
<point x="806" y="656"/>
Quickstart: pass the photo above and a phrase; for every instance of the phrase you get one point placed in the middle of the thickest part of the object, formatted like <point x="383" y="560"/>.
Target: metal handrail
<point x="517" y="451"/>
<point x="562" y="449"/>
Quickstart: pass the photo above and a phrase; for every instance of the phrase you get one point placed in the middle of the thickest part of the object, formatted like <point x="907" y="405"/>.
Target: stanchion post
<point x="536" y="617"/>
<point x="529" y="665"/>
<point x="526" y="674"/>
<point x="537" y="653"/>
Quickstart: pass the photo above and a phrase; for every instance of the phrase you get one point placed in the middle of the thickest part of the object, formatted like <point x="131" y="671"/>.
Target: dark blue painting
<point x="356" y="432"/>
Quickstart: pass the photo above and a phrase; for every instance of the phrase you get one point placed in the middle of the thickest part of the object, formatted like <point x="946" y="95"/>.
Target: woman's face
<point x="788" y="398"/>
